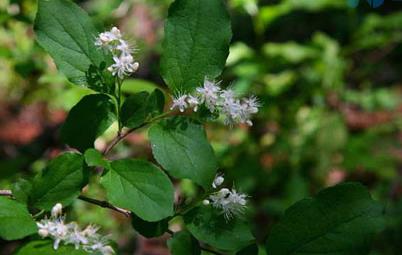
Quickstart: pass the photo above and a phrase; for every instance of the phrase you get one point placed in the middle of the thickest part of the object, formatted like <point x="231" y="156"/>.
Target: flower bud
<point x="57" y="210"/>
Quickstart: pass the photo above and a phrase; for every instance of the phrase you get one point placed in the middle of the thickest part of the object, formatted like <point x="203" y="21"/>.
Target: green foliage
<point x="60" y="182"/>
<point x="138" y="107"/>
<point x="88" y="120"/>
<point x="209" y="226"/>
<point x="66" y="32"/>
<point x="15" y="220"/>
<point x="149" y="229"/>
<point x="45" y="247"/>
<point x="340" y="219"/>
<point x="181" y="147"/>
<point x="183" y="243"/>
<point x="94" y="158"/>
<point x="141" y="187"/>
<point x="196" y="43"/>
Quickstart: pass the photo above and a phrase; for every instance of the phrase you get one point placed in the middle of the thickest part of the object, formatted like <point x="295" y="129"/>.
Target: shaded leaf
<point x="140" y="106"/>
<point x="209" y="226"/>
<point x="183" y="243"/>
<point x="66" y="32"/>
<point x="149" y="229"/>
<point x="15" y="220"/>
<point x="60" y="182"/>
<point x="196" y="43"/>
<point x="87" y="120"/>
<point x="338" y="220"/>
<point x="180" y="145"/>
<point x="141" y="187"/>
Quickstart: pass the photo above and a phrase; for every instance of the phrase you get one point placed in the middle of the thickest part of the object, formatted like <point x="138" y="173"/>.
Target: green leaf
<point x="66" y="32"/>
<point x="149" y="229"/>
<point x="196" y="44"/>
<point x="209" y="226"/>
<point x="249" y="250"/>
<point x="338" y="220"/>
<point x="60" y="182"/>
<point x="87" y="120"/>
<point x="15" y="220"/>
<point x="21" y="190"/>
<point x="180" y="145"/>
<point x="183" y="243"/>
<point x="45" y="247"/>
<point x="94" y="158"/>
<point x="140" y="187"/>
<point x="139" y="107"/>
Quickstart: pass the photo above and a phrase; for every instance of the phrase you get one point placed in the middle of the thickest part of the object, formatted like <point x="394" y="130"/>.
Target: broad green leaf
<point x="45" y="247"/>
<point x="15" y="220"/>
<point x="60" y="182"/>
<point x="87" y="120"/>
<point x="141" y="187"/>
<point x="149" y="229"/>
<point x="94" y="158"/>
<point x="196" y="44"/>
<point x="182" y="243"/>
<point x="66" y="32"/>
<point x="180" y="145"/>
<point x="21" y="190"/>
<point x="209" y="226"/>
<point x="338" y="220"/>
<point x="139" y="107"/>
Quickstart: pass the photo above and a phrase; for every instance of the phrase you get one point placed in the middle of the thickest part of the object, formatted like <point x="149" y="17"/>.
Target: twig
<point x="105" y="204"/>
<point x="6" y="193"/>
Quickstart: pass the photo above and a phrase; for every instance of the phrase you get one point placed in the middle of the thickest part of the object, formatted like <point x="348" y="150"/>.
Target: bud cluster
<point x="121" y="50"/>
<point x="87" y="239"/>
<point x="217" y="100"/>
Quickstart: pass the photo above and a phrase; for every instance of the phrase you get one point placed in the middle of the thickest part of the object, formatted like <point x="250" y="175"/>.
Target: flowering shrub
<point x="339" y="220"/>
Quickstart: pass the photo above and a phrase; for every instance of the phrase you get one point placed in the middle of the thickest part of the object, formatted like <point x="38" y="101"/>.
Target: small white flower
<point x="180" y="102"/>
<point x="249" y="107"/>
<point x="230" y="202"/>
<point x="218" y="181"/>
<point x="56" y="228"/>
<point x="193" y="102"/>
<point x="106" y="39"/>
<point x="123" y="66"/>
<point x="209" y="94"/>
<point x="57" y="210"/>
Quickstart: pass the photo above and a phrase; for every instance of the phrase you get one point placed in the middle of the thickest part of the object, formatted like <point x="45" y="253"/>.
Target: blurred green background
<point x="328" y="76"/>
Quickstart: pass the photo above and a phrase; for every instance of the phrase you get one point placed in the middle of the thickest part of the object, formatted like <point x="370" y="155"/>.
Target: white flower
<point x="121" y="50"/>
<point x="230" y="202"/>
<point x="57" y="210"/>
<point x="218" y="181"/>
<point x="209" y="94"/>
<point x="230" y="107"/>
<point x="108" y="38"/>
<point x="69" y="233"/>
<point x="249" y="107"/>
<point x="180" y="102"/>
<point x="193" y="102"/>
<point x="123" y="66"/>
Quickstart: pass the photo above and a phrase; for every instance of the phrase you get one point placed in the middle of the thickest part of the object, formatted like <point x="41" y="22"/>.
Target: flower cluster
<point x="231" y="202"/>
<point x="121" y="50"/>
<point x="219" y="100"/>
<point x="88" y="239"/>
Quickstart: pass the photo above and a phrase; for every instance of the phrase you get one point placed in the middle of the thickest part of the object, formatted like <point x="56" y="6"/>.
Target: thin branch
<point x="6" y="193"/>
<point x="105" y="204"/>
